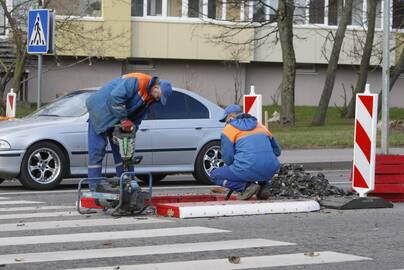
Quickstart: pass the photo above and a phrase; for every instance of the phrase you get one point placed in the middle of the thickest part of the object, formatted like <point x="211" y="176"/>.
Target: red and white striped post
<point x="253" y="104"/>
<point x="363" y="176"/>
<point x="10" y="105"/>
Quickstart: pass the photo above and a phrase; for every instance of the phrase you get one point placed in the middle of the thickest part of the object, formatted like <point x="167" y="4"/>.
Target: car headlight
<point x="4" y="145"/>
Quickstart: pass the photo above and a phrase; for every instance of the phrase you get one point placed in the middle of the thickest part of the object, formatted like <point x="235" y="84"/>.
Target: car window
<point x="70" y="105"/>
<point x="176" y="108"/>
<point x="196" y="109"/>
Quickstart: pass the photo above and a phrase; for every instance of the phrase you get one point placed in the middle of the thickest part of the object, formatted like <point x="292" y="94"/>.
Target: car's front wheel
<point x="43" y="166"/>
<point x="208" y="159"/>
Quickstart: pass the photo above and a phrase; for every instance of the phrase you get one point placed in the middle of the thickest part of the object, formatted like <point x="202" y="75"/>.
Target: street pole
<point x="386" y="77"/>
<point x="38" y="101"/>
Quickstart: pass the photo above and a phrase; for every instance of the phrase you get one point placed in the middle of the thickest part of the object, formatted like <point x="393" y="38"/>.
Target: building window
<point x="83" y="8"/>
<point x="357" y="12"/>
<point x="300" y="12"/>
<point x="316" y="11"/>
<point x="259" y="11"/>
<point x="398" y="14"/>
<point x="273" y="9"/>
<point x="215" y="9"/>
<point x="137" y="8"/>
<point x="334" y="11"/>
<point x="233" y="10"/>
<point x="195" y="8"/>
<point x="174" y="8"/>
<point x="154" y="8"/>
<point x="2" y="22"/>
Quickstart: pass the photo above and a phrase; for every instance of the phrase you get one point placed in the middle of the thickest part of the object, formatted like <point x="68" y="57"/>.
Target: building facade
<point x="194" y="44"/>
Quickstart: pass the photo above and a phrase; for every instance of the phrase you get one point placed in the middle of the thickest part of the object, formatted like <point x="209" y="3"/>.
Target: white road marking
<point x="137" y="251"/>
<point x="36" y="208"/>
<point x="42" y="225"/>
<point x="324" y="257"/>
<point x="41" y="215"/>
<point x="18" y="202"/>
<point x="38" y="192"/>
<point x="4" y="198"/>
<point x="98" y="236"/>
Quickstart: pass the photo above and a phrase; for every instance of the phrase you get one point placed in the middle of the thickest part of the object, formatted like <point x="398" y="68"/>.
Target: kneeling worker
<point x="249" y="152"/>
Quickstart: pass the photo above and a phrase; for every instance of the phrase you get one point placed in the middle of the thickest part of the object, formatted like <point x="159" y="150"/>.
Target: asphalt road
<point x="41" y="230"/>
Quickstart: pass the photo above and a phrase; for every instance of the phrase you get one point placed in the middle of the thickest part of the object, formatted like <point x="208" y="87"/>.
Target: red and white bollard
<point x="11" y="104"/>
<point x="363" y="173"/>
<point x="253" y="104"/>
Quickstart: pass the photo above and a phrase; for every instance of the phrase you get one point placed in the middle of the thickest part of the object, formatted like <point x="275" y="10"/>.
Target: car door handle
<point x="198" y="128"/>
<point x="144" y="129"/>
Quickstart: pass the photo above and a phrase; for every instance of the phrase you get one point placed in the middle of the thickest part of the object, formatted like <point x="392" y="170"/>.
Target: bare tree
<point x="395" y="73"/>
<point x="236" y="68"/>
<point x="367" y="53"/>
<point x="266" y="23"/>
<point x="321" y="112"/>
<point x="69" y="28"/>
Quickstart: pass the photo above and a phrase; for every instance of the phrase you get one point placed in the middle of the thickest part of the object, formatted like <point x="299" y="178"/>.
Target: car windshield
<point x="70" y="105"/>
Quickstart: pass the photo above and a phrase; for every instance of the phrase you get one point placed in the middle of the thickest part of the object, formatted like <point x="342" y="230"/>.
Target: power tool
<point x="121" y="196"/>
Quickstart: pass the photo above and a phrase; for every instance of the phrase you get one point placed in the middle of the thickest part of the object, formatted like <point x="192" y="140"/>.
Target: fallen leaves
<point x="312" y="254"/>
<point x="234" y="259"/>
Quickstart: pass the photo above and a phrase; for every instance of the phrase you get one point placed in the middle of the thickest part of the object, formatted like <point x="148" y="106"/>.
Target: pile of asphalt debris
<point x="292" y="181"/>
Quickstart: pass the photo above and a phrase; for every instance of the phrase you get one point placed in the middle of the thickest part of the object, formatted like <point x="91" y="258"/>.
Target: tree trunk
<point x="19" y="70"/>
<point x="394" y="74"/>
<point x="365" y="62"/>
<point x="285" y="25"/>
<point x="321" y="112"/>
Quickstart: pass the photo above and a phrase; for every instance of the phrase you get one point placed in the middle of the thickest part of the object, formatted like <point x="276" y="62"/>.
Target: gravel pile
<point x="293" y="181"/>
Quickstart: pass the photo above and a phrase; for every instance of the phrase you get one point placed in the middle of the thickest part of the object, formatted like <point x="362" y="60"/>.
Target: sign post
<point x="40" y="39"/>
<point x="253" y="104"/>
<point x="363" y="172"/>
<point x="363" y="176"/>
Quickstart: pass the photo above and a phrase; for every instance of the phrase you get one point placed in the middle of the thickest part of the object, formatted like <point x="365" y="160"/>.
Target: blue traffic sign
<point x="38" y="31"/>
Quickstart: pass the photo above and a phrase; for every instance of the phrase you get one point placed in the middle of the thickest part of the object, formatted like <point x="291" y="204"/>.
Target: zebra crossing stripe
<point x="324" y="257"/>
<point x="137" y="251"/>
<point x="36" y="208"/>
<point x="18" y="202"/>
<point x="98" y="236"/>
<point x="40" y="215"/>
<point x="4" y="198"/>
<point x="80" y="223"/>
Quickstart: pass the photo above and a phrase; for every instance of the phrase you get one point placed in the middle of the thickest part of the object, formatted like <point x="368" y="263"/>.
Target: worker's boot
<point x="250" y="191"/>
<point x="264" y="192"/>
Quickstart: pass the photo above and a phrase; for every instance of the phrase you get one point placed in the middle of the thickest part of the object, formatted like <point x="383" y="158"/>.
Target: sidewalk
<point x="325" y="159"/>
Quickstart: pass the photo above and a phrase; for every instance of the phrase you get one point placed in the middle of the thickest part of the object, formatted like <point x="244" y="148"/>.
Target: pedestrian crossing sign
<point x="39" y="31"/>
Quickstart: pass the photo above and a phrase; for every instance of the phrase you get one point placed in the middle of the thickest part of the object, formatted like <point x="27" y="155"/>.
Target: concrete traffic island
<point x="221" y="208"/>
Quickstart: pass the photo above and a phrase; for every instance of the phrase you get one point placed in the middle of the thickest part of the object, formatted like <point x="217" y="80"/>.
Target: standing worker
<point x="250" y="153"/>
<point x="125" y="100"/>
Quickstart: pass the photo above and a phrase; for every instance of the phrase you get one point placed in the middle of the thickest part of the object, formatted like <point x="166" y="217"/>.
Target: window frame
<point x="243" y="14"/>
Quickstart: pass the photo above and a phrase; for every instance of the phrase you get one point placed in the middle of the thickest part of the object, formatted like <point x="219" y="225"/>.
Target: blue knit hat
<point x="166" y="90"/>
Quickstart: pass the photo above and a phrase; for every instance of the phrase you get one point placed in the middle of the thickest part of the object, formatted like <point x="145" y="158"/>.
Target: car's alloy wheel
<point x="43" y="166"/>
<point x="209" y="158"/>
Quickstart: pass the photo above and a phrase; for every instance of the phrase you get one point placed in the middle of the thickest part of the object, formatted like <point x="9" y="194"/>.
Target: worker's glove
<point x="127" y="125"/>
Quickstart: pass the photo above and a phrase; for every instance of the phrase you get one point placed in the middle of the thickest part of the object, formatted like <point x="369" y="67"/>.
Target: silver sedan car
<point x="51" y="144"/>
